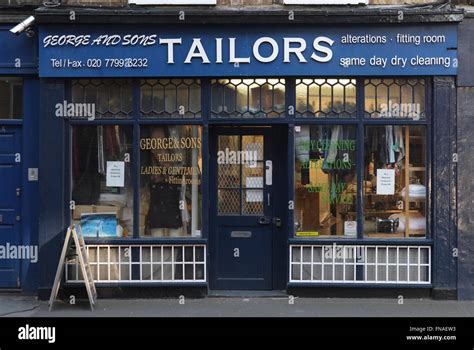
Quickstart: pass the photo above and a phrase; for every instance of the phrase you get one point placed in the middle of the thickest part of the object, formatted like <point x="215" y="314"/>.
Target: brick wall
<point x="219" y="2"/>
<point x="465" y="114"/>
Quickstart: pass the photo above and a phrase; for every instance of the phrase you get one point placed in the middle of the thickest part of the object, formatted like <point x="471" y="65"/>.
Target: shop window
<point x="395" y="98"/>
<point x="11" y="98"/>
<point x="326" y="98"/>
<point x="109" y="98"/>
<point x="395" y="179"/>
<point x="102" y="190"/>
<point x="248" y="98"/>
<point x="240" y="186"/>
<point x="325" y="181"/>
<point x="170" y="98"/>
<point x="170" y="181"/>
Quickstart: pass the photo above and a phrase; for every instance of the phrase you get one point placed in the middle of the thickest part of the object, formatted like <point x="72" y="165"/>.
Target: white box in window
<point x="325" y="2"/>
<point x="350" y="228"/>
<point x="173" y="2"/>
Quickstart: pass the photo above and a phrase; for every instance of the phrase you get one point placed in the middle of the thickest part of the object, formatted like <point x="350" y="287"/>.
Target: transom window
<point x="248" y="98"/>
<point x="395" y="98"/>
<point x="170" y="98"/>
<point x="323" y="98"/>
<point x="110" y="98"/>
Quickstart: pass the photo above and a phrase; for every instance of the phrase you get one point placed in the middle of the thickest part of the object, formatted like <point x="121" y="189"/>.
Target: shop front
<point x="252" y="158"/>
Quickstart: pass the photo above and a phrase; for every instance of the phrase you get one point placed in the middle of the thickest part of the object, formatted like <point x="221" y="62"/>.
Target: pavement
<point x="225" y="306"/>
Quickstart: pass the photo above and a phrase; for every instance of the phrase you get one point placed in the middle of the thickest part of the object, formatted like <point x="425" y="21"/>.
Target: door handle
<point x="264" y="220"/>
<point x="268" y="172"/>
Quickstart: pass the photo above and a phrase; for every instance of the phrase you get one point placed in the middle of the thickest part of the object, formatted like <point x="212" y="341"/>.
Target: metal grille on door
<point x="241" y="174"/>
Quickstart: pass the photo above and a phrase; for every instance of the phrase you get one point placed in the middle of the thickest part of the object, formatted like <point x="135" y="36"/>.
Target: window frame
<point x="360" y="122"/>
<point x="205" y="121"/>
<point x="231" y="117"/>
<point x="136" y="120"/>
<point x="11" y="107"/>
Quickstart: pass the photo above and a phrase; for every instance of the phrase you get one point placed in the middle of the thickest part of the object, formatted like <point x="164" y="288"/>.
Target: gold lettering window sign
<point x="170" y="143"/>
<point x="170" y="180"/>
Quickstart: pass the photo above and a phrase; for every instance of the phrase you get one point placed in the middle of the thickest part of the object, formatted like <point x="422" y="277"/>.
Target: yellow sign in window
<point x="307" y="233"/>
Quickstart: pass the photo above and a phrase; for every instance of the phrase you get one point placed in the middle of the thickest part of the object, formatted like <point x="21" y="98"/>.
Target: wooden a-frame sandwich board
<point x="74" y="233"/>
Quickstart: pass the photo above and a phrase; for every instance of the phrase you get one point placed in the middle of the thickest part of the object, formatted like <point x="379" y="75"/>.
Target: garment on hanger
<point x="302" y="144"/>
<point x="399" y="145"/>
<point x="164" y="209"/>
<point x="390" y="157"/>
<point x="184" y="212"/>
<point x="387" y="144"/>
<point x="340" y="147"/>
<point x="336" y="135"/>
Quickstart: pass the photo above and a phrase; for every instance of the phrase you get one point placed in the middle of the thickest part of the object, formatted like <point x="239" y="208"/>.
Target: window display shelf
<point x="413" y="233"/>
<point x="394" y="211"/>
<point x="385" y="235"/>
<point x="417" y="168"/>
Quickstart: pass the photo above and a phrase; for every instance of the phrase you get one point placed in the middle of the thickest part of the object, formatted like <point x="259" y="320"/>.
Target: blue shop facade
<point x="230" y="157"/>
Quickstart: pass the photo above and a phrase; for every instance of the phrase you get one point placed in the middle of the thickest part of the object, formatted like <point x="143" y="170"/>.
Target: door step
<point x="247" y="294"/>
<point x="4" y="291"/>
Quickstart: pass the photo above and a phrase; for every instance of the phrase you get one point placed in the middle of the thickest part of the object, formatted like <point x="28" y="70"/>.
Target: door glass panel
<point x="252" y="203"/>
<point x="253" y="176"/>
<point x="229" y="202"/>
<point x="253" y="146"/>
<point x="229" y="141"/>
<point x="229" y="176"/>
<point x="240" y="174"/>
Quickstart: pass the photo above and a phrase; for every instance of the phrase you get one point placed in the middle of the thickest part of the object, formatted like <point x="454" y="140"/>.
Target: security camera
<point x="22" y="26"/>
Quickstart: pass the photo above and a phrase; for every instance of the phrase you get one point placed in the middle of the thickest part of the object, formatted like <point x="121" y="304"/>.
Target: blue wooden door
<point x="241" y="208"/>
<point x="10" y="205"/>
